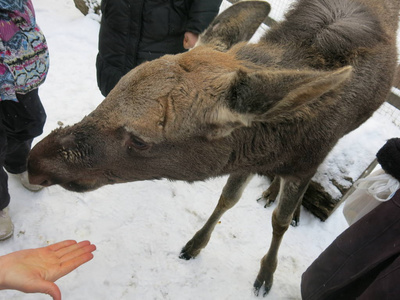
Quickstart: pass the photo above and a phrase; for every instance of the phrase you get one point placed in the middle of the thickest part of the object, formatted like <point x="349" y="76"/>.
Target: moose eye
<point x="137" y="143"/>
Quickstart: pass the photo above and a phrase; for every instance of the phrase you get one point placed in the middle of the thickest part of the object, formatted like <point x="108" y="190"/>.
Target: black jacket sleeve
<point x="201" y="13"/>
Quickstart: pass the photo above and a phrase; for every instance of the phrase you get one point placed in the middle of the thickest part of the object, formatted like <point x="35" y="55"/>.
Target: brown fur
<point x="227" y="107"/>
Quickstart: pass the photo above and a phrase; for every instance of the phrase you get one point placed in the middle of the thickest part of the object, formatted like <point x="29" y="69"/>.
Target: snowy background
<point x="139" y="228"/>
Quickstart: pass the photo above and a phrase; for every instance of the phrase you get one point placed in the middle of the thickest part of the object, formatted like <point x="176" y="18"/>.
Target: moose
<point x="229" y="107"/>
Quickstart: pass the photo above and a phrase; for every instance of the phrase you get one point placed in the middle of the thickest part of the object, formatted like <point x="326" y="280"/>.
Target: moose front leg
<point x="230" y="196"/>
<point x="291" y="194"/>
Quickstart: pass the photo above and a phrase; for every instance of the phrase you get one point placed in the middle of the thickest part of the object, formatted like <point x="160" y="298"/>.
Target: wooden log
<point x="321" y="204"/>
<point x="85" y="6"/>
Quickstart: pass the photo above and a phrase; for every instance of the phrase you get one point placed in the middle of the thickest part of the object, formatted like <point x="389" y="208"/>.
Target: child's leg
<point x="4" y="196"/>
<point x="23" y="120"/>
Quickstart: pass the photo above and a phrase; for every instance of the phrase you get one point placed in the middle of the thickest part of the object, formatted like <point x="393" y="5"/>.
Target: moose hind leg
<point x="230" y="196"/>
<point x="291" y="193"/>
<point x="271" y="193"/>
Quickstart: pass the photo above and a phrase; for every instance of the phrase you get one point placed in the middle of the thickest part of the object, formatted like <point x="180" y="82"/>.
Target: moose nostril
<point x="40" y="180"/>
<point x="46" y="183"/>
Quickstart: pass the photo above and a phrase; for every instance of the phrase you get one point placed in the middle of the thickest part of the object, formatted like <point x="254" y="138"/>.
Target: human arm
<point x="35" y="270"/>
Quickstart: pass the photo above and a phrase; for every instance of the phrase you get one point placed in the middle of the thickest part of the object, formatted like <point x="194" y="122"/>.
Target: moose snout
<point x="36" y="175"/>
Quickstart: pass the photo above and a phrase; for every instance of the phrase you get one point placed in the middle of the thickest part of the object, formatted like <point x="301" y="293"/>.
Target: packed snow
<point x="139" y="228"/>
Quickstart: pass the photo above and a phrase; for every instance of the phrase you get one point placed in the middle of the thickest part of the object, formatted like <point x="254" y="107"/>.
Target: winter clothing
<point x="24" y="62"/>
<point x="20" y="122"/>
<point x="364" y="261"/>
<point x="4" y="196"/>
<point x="23" y="50"/>
<point x="134" y="31"/>
<point x="6" y="226"/>
<point x="389" y="157"/>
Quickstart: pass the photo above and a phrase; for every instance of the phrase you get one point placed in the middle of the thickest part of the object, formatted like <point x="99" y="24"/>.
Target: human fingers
<point x="191" y="39"/>
<point x="185" y="43"/>
<point x="187" y="40"/>
<point x="62" y="251"/>
<point x="61" y="245"/>
<point x="69" y="266"/>
<point x="76" y="259"/>
<point x="78" y="251"/>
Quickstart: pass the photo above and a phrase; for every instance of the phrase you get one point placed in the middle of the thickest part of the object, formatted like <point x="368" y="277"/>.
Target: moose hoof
<point x="185" y="255"/>
<point x="189" y="252"/>
<point x="258" y="286"/>
<point x="295" y="222"/>
<point x="268" y="201"/>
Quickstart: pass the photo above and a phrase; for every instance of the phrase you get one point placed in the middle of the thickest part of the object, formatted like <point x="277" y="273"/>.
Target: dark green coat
<point x="134" y="31"/>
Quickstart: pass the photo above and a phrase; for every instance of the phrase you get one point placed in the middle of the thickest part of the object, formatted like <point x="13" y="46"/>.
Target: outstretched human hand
<point x="35" y="270"/>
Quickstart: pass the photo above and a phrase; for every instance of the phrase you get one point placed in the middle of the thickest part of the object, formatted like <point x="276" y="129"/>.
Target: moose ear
<point x="270" y="93"/>
<point x="267" y="95"/>
<point x="235" y="24"/>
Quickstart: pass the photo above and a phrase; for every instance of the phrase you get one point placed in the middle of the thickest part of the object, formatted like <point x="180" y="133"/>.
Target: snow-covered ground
<point x="139" y="228"/>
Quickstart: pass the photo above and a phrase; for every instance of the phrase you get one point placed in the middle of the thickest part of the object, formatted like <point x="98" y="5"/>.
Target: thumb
<point x="49" y="288"/>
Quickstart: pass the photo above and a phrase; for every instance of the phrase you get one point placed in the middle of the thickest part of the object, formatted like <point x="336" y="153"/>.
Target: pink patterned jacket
<point x="24" y="57"/>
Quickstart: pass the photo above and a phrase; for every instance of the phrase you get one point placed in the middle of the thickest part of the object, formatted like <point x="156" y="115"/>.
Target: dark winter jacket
<point x="134" y="31"/>
<point x="363" y="262"/>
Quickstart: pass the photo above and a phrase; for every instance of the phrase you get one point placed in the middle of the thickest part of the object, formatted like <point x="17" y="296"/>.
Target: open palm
<point x="36" y="270"/>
